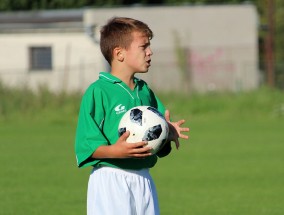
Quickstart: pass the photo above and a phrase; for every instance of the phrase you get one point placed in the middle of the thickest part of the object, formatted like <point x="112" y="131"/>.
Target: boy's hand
<point x="123" y="149"/>
<point x="175" y="129"/>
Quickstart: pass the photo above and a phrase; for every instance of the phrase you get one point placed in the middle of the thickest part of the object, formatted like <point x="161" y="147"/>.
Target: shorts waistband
<point x="141" y="172"/>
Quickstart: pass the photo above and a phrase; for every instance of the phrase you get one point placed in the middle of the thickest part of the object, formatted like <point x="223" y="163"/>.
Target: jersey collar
<point x="110" y="78"/>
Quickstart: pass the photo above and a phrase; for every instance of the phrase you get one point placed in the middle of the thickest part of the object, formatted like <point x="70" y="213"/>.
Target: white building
<point x="200" y="48"/>
<point x="49" y="49"/>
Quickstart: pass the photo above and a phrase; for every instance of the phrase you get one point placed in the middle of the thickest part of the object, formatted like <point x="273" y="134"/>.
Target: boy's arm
<point x="88" y="133"/>
<point x="122" y="149"/>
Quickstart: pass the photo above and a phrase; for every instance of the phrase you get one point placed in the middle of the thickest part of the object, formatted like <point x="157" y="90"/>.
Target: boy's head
<point x="118" y="33"/>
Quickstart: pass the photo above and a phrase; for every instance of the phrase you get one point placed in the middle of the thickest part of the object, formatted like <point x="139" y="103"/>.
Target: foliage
<point x="180" y="53"/>
<point x="25" y="103"/>
<point x="260" y="103"/>
<point x="279" y="44"/>
<point x="14" y="5"/>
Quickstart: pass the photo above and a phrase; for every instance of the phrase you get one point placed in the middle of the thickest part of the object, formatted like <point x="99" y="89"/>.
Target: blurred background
<point x="217" y="64"/>
<point x="205" y="45"/>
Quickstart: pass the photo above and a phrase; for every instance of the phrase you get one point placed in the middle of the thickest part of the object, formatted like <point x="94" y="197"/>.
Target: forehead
<point x="139" y="37"/>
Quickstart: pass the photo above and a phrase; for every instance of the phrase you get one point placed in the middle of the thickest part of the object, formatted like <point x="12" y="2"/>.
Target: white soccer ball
<point x="145" y="123"/>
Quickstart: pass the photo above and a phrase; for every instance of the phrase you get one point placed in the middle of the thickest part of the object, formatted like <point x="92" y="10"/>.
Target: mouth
<point x="148" y="62"/>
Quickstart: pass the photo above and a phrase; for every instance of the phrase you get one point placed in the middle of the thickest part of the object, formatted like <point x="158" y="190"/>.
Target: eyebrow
<point x="145" y="44"/>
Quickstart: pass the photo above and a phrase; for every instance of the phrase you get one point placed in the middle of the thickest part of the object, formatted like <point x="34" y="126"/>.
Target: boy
<point x="120" y="182"/>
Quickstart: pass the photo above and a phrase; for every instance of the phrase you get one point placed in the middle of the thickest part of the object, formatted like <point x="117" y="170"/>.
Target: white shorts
<point x="113" y="191"/>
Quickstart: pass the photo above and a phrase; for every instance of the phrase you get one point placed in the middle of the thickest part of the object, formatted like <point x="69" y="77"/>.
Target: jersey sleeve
<point x="88" y="133"/>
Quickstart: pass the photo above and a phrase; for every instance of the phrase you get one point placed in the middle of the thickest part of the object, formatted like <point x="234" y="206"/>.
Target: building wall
<point x="200" y="48"/>
<point x="196" y="48"/>
<point x="75" y="59"/>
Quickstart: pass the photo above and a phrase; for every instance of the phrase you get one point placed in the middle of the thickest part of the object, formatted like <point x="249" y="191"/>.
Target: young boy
<point x="120" y="182"/>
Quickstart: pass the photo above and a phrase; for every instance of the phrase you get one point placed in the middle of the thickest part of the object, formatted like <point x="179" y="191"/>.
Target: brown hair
<point x="118" y="33"/>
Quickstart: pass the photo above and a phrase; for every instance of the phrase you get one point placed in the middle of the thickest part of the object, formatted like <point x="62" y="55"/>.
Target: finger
<point x="124" y="136"/>
<point x="180" y="122"/>
<point x="141" y="155"/>
<point x="167" y="115"/>
<point x="183" y="136"/>
<point x="139" y="144"/>
<point x="184" y="129"/>
<point x="142" y="152"/>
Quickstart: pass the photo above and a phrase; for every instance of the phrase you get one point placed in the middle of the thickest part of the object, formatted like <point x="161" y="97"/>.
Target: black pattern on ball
<point x="155" y="111"/>
<point x="152" y="133"/>
<point x="121" y="131"/>
<point x="136" y="116"/>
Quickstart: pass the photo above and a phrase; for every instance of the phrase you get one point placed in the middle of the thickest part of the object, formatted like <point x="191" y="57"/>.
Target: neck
<point x="128" y="79"/>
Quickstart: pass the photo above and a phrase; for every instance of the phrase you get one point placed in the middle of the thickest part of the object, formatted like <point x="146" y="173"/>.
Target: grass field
<point x="232" y="164"/>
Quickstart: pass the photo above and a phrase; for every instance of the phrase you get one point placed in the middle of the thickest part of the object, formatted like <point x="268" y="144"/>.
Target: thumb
<point x="167" y="115"/>
<point x="124" y="136"/>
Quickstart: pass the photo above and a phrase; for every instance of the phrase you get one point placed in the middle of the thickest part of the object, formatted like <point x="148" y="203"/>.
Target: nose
<point x="149" y="51"/>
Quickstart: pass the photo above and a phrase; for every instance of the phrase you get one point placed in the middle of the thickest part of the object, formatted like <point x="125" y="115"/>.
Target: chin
<point x="143" y="71"/>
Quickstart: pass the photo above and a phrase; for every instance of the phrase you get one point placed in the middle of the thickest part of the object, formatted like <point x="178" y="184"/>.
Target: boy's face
<point x="138" y="54"/>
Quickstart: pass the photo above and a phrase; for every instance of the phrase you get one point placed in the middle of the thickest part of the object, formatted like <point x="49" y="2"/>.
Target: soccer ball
<point x="145" y="123"/>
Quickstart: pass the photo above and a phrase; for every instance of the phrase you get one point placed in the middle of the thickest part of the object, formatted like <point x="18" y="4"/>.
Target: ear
<point x="118" y="54"/>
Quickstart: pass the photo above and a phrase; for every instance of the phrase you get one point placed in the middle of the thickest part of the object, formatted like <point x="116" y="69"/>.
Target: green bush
<point x="23" y="102"/>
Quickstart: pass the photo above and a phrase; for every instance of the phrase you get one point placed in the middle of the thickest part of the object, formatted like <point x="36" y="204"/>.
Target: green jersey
<point x="102" y="106"/>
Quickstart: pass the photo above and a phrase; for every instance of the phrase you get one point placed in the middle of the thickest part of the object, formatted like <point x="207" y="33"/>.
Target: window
<point x="40" y="58"/>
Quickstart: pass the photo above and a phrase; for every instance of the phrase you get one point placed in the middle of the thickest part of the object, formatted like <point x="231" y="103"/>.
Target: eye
<point x="145" y="46"/>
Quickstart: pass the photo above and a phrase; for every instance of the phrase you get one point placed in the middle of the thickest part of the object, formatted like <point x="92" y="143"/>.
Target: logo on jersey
<point x="120" y="109"/>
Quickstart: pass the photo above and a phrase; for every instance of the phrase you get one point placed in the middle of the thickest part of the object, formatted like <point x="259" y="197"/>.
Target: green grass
<point x="232" y="164"/>
<point x="39" y="174"/>
<point x="225" y="169"/>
